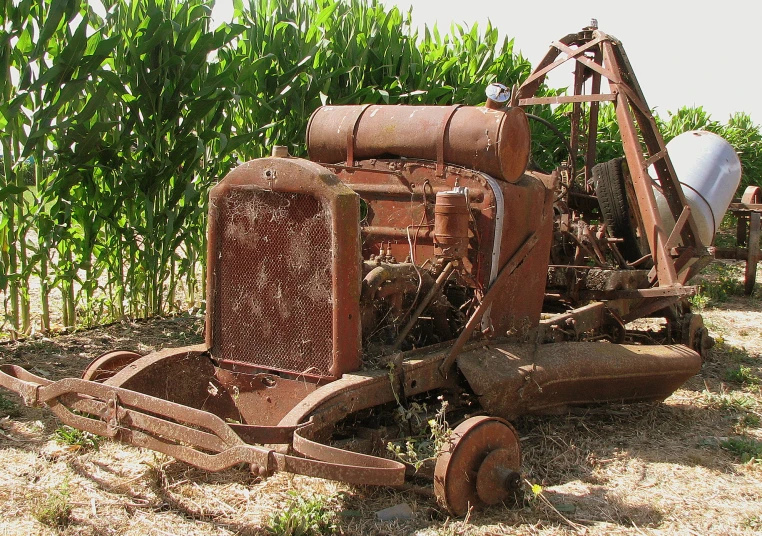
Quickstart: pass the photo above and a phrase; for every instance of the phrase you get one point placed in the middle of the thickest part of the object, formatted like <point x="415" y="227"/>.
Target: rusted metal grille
<point x="273" y="303"/>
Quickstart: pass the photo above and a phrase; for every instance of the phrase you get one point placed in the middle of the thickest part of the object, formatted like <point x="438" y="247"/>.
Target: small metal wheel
<point x="480" y="466"/>
<point x="694" y="335"/>
<point x="752" y="195"/>
<point x="103" y="367"/>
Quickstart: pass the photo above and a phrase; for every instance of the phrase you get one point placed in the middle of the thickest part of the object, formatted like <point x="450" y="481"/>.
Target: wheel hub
<point x="480" y="466"/>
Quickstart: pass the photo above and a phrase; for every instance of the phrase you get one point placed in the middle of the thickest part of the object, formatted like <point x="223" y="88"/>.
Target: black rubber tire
<point x="610" y="189"/>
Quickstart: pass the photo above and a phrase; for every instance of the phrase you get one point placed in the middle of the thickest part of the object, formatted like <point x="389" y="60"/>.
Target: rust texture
<point x="479" y="466"/>
<point x="451" y="220"/>
<point x="415" y="256"/>
<point x="283" y="286"/>
<point x="512" y="380"/>
<point x="493" y="141"/>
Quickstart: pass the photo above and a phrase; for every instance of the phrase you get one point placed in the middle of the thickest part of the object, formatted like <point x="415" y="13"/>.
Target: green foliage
<point x="748" y="450"/>
<point x="113" y="128"/>
<point x="721" y="283"/>
<point x="431" y="435"/>
<point x="132" y="117"/>
<point x="78" y="439"/>
<point x="730" y="401"/>
<point x="740" y="131"/>
<point x="55" y="509"/>
<point x="303" y="516"/>
<point x="741" y="374"/>
<point x="8" y="408"/>
<point x="750" y="420"/>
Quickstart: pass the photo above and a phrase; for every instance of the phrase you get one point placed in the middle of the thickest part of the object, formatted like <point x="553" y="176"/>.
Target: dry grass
<point x="640" y="469"/>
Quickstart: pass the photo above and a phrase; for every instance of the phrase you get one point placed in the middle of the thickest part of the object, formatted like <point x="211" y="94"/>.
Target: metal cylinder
<point x="496" y="142"/>
<point x="709" y="172"/>
<point x="451" y="224"/>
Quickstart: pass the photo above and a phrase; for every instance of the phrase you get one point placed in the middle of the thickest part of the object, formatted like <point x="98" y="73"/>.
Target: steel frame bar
<point x="635" y="119"/>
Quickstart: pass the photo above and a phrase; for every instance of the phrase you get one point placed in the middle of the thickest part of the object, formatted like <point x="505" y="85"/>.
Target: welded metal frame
<point x="597" y="55"/>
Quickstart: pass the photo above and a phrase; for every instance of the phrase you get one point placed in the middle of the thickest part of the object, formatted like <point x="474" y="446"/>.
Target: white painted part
<point x="497" y="241"/>
<point x="709" y="172"/>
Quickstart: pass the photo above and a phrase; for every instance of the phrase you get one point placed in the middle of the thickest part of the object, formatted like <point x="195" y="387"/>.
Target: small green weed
<point x="729" y="401"/>
<point x="722" y="282"/>
<point x="741" y="374"/>
<point x="714" y="292"/>
<point x="739" y="355"/>
<point x="419" y="449"/>
<point x="55" y="510"/>
<point x="748" y="450"/>
<point x="7" y="407"/>
<point x="699" y="301"/>
<point x="750" y="420"/>
<point x="304" y="516"/>
<point x="66" y="435"/>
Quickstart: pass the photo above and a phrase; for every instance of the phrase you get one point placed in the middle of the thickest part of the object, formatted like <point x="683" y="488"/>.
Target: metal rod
<point x="493" y="292"/>
<point x="424" y="303"/>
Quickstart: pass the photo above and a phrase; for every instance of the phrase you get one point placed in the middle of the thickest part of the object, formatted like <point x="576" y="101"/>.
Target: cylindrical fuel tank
<point x="709" y="172"/>
<point x="451" y="224"/>
<point x="496" y="142"/>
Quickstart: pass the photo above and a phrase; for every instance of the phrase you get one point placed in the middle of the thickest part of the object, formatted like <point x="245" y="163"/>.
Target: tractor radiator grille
<point x="273" y="299"/>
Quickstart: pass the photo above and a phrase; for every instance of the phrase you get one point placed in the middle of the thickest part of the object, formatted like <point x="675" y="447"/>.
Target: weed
<point x="750" y="420"/>
<point x="721" y="282"/>
<point x="55" y="510"/>
<point x="418" y="450"/>
<point x="720" y="290"/>
<point x="739" y="355"/>
<point x="66" y="435"/>
<point x="304" y="516"/>
<point x="729" y="401"/>
<point x="699" y="301"/>
<point x="741" y="374"/>
<point x="748" y="450"/>
<point x="7" y="407"/>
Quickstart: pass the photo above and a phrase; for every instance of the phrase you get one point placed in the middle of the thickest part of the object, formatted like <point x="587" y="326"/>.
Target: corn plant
<point x="115" y="122"/>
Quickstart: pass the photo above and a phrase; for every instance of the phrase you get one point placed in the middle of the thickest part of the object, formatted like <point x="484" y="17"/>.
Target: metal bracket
<point x="441" y="140"/>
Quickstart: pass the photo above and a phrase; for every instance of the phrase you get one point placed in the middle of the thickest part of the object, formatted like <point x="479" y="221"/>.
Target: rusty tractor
<point x="414" y="256"/>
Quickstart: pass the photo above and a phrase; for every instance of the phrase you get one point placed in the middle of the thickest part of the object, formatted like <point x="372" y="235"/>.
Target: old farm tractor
<point x="414" y="257"/>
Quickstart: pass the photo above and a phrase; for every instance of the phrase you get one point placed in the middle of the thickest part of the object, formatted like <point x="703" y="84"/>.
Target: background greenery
<point x="113" y="129"/>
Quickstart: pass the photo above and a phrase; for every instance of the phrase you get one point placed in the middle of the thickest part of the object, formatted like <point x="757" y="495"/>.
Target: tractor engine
<point x="375" y="245"/>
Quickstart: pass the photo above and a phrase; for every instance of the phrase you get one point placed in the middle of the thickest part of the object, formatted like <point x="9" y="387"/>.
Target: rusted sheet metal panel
<point x="284" y="277"/>
<point x="496" y="142"/>
<point x="529" y="210"/>
<point x="263" y="399"/>
<point x="515" y="379"/>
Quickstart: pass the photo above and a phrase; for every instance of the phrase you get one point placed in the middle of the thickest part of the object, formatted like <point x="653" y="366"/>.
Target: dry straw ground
<point x="691" y="465"/>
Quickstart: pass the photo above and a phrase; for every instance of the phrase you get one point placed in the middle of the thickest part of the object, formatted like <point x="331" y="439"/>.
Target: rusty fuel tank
<point x="496" y="142"/>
